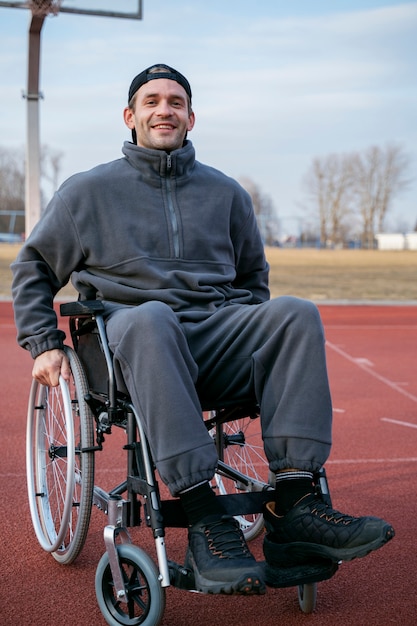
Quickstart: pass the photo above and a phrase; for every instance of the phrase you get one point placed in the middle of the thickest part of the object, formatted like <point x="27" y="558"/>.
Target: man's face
<point x="161" y="115"/>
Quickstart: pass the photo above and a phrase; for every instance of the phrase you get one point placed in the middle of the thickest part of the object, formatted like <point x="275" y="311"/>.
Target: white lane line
<point x="399" y="422"/>
<point x="370" y="327"/>
<point x="363" y="361"/>
<point x="412" y="459"/>
<point x="360" y="363"/>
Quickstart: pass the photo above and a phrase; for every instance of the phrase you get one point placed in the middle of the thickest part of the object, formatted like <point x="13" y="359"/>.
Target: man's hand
<point x="49" y="366"/>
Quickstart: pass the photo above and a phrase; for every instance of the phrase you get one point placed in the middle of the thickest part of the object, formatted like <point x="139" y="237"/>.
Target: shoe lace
<point x="225" y="539"/>
<point x="324" y="511"/>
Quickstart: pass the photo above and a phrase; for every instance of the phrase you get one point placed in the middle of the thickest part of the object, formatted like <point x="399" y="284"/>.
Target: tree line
<point x="12" y="185"/>
<point x="348" y="195"/>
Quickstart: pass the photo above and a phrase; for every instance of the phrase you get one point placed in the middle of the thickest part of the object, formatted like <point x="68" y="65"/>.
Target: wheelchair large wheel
<point x="239" y="445"/>
<point x="145" y="597"/>
<point x="60" y="463"/>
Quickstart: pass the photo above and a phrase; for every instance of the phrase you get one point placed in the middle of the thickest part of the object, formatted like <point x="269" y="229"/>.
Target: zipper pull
<point x="169" y="162"/>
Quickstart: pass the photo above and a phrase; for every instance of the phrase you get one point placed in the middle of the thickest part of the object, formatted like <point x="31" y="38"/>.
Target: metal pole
<point x="32" y="190"/>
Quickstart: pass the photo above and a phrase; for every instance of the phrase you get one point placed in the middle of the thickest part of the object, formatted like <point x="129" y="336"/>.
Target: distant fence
<point x="12" y="222"/>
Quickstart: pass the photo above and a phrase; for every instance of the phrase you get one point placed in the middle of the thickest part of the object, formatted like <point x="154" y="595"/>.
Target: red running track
<point x="372" y="470"/>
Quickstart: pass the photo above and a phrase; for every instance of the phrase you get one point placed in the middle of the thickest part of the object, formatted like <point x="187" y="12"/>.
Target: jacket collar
<point x="177" y="163"/>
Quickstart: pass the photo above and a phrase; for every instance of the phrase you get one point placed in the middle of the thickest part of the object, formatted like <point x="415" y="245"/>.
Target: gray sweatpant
<point x="272" y="353"/>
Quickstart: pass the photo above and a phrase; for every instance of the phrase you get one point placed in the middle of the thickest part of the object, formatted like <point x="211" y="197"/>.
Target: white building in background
<point x="396" y="241"/>
<point x="411" y="241"/>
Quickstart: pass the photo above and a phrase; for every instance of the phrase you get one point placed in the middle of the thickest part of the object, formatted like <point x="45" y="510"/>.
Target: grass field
<point x="319" y="275"/>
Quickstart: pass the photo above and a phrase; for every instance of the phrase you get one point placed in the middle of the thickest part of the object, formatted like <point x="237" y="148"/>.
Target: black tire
<point x="307" y="596"/>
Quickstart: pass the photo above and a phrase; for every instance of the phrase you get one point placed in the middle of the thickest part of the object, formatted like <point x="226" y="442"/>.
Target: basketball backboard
<point x="130" y="9"/>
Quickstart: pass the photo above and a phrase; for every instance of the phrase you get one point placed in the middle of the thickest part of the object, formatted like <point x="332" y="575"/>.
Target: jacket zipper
<point x="173" y="217"/>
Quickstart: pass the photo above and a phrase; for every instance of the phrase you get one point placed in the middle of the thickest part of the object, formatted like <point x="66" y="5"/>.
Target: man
<point x="172" y="248"/>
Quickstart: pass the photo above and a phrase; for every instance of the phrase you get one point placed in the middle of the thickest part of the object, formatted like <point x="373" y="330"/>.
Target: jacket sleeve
<point x="252" y="269"/>
<point x="40" y="270"/>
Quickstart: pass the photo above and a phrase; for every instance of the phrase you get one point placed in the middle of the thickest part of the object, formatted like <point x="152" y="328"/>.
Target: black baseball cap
<point x="164" y="71"/>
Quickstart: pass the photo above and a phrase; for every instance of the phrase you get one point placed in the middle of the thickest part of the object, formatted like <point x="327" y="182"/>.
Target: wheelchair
<point x="66" y="428"/>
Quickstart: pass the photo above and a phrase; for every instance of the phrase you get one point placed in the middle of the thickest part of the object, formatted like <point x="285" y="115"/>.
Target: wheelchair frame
<point x="67" y="426"/>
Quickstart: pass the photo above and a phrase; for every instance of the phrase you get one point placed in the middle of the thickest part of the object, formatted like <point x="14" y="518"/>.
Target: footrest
<point x="180" y="576"/>
<point x="295" y="575"/>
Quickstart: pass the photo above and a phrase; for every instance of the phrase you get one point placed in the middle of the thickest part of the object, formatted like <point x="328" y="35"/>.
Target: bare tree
<point x="12" y="184"/>
<point x="12" y="191"/>
<point x="379" y="175"/>
<point x="329" y="185"/>
<point x="264" y="211"/>
<point x="355" y="188"/>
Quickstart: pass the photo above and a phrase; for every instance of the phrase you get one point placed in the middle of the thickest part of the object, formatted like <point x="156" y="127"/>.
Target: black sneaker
<point x="221" y="560"/>
<point x="312" y="529"/>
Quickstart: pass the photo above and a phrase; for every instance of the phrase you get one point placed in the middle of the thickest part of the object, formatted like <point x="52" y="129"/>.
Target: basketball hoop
<point x="42" y="8"/>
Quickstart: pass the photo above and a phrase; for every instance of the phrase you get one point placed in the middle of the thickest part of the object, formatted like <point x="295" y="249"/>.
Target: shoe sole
<point x="312" y="572"/>
<point x="248" y="584"/>
<point x="299" y="552"/>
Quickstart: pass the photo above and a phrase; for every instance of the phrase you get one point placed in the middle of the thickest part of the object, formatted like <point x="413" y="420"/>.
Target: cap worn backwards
<point x="158" y="71"/>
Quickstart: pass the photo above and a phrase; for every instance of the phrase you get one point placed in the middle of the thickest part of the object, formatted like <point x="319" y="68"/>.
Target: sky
<point x="275" y="84"/>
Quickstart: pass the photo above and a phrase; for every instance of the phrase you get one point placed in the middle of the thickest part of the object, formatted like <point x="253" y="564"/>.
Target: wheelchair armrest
<point x="82" y="308"/>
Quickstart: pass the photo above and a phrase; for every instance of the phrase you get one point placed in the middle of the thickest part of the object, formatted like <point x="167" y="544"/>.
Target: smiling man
<point x="172" y="249"/>
<point x="159" y="114"/>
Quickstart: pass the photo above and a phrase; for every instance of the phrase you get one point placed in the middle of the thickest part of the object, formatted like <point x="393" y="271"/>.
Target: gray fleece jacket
<point x="148" y="226"/>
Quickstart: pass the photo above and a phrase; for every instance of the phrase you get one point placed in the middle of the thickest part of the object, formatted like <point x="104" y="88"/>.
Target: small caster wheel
<point x="143" y="601"/>
<point x="307" y="595"/>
